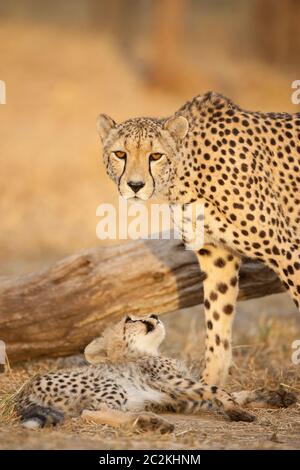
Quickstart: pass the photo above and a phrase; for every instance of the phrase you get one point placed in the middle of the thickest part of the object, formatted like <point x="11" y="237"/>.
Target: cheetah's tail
<point x="36" y="416"/>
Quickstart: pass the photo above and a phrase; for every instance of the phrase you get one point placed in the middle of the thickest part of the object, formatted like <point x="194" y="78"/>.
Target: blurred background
<point x="63" y="62"/>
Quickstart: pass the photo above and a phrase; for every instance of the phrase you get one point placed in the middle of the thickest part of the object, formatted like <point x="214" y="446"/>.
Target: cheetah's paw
<point x="279" y="398"/>
<point x="238" y="414"/>
<point x="151" y="422"/>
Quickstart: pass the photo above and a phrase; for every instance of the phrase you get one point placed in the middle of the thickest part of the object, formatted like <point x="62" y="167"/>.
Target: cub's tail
<point x="36" y="416"/>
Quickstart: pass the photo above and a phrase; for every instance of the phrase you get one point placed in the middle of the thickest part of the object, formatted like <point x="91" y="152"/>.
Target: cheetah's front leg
<point x="221" y="270"/>
<point x="196" y="393"/>
<point x="263" y="398"/>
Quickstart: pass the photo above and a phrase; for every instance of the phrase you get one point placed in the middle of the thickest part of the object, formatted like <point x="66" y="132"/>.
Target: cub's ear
<point x="104" y="125"/>
<point x="95" y="352"/>
<point x="177" y="126"/>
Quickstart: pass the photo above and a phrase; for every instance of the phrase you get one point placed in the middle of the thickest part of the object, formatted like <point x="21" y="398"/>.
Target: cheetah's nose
<point x="136" y="185"/>
<point x="149" y="326"/>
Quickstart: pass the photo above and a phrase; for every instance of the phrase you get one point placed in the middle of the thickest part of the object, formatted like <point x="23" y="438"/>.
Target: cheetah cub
<point x="126" y="380"/>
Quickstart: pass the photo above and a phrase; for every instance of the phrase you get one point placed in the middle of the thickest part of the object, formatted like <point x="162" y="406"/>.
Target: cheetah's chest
<point x="198" y="225"/>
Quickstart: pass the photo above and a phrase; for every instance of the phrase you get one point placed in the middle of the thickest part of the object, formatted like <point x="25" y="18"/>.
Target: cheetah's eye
<point x="155" y="156"/>
<point x="120" y="154"/>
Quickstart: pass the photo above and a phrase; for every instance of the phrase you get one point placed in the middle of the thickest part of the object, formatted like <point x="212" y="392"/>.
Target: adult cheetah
<point x="244" y="167"/>
<point x="128" y="376"/>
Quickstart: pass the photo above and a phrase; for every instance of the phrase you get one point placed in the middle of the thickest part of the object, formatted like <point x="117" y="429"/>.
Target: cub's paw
<point x="238" y="414"/>
<point x="151" y="422"/>
<point x="280" y="398"/>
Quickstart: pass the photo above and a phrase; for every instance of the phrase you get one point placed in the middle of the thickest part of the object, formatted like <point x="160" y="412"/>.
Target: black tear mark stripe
<point x="119" y="181"/>
<point x="149" y="166"/>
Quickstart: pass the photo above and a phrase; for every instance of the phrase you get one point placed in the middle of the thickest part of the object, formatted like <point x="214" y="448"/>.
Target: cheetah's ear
<point x="95" y="352"/>
<point x="178" y="127"/>
<point x="104" y="125"/>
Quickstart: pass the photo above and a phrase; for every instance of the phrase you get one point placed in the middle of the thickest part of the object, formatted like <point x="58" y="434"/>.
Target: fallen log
<point x="57" y="311"/>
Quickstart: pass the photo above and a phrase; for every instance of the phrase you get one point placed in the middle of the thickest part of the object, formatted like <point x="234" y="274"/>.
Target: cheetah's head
<point x="131" y="336"/>
<point x="143" y="334"/>
<point x="140" y="154"/>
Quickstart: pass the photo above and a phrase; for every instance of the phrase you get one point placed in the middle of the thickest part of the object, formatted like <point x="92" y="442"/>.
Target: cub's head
<point x="139" y="154"/>
<point x="131" y="336"/>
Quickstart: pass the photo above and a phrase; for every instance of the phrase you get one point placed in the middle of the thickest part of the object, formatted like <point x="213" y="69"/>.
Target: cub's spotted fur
<point x="244" y="167"/>
<point x="128" y="378"/>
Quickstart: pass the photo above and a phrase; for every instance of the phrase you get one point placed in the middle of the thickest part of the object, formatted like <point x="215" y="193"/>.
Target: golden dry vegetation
<point x="51" y="181"/>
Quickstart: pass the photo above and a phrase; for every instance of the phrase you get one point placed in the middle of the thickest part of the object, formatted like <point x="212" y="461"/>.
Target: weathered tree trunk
<point x="57" y="311"/>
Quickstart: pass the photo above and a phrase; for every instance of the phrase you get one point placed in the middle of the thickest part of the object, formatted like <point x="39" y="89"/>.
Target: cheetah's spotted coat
<point x="244" y="167"/>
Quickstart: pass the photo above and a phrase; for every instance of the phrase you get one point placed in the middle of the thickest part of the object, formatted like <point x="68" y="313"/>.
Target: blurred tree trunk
<point x="121" y="20"/>
<point x="276" y="30"/>
<point x="167" y="40"/>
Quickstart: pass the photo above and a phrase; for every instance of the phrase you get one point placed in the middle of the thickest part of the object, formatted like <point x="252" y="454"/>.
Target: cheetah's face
<point x="139" y="154"/>
<point x="143" y="334"/>
<point x="137" y="335"/>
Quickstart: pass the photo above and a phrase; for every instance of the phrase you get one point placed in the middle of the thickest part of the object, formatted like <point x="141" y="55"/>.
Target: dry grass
<point x="261" y="359"/>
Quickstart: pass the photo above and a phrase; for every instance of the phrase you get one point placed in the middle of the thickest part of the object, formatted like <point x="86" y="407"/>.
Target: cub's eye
<point x="120" y="154"/>
<point x="155" y="156"/>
